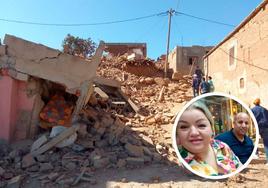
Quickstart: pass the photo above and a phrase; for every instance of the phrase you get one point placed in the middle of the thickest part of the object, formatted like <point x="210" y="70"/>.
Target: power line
<point x="112" y="22"/>
<point x="204" y="19"/>
<point x="81" y="24"/>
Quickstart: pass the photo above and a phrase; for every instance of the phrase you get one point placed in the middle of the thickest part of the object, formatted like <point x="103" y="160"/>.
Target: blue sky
<point x="184" y="31"/>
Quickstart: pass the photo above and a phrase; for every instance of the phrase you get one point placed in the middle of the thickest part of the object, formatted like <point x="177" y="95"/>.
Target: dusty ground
<point x="165" y="176"/>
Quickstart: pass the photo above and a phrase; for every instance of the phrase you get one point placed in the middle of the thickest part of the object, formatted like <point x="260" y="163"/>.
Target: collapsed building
<point x="100" y="126"/>
<point x="32" y="75"/>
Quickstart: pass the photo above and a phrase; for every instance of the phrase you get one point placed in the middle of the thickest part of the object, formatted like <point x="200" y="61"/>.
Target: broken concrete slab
<point x="28" y="50"/>
<point x="50" y="64"/>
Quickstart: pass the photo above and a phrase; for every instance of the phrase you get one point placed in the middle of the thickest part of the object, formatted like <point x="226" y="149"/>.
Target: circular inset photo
<point x="215" y="135"/>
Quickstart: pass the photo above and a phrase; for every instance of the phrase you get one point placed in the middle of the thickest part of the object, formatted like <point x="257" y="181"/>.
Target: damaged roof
<point x="43" y="62"/>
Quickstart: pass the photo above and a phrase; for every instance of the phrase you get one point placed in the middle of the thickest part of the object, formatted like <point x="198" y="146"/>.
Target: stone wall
<point x="250" y="62"/>
<point x="179" y="58"/>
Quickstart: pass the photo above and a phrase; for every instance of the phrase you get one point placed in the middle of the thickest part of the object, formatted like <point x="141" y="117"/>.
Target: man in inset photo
<point x="237" y="139"/>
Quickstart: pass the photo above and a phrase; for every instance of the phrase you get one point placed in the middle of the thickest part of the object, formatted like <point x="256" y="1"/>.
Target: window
<point x="192" y="60"/>
<point x="231" y="56"/>
<point x="231" y="52"/>
<point x="242" y="83"/>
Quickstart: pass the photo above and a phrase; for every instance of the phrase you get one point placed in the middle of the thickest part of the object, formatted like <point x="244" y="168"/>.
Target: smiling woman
<point x="198" y="148"/>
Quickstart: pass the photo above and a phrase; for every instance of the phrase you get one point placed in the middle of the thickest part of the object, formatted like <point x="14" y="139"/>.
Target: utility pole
<point x="170" y="13"/>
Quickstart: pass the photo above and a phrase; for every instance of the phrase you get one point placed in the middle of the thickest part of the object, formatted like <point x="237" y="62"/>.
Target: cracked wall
<point x="21" y="59"/>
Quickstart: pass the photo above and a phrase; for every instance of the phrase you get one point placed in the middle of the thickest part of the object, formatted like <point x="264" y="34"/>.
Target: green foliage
<point x="78" y="46"/>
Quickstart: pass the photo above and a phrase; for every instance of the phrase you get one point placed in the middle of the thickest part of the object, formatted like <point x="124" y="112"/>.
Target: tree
<point x="78" y="46"/>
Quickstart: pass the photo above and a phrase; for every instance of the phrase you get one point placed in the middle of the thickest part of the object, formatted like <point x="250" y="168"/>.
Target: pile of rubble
<point x="142" y="67"/>
<point x="108" y="133"/>
<point x="146" y="90"/>
<point x="156" y="97"/>
<point x="103" y="141"/>
<point x="139" y="67"/>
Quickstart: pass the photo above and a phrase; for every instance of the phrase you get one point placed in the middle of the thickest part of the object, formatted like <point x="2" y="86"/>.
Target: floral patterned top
<point x="225" y="158"/>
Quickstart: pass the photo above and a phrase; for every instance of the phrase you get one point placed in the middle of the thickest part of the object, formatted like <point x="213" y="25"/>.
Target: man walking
<point x="199" y="74"/>
<point x="261" y="115"/>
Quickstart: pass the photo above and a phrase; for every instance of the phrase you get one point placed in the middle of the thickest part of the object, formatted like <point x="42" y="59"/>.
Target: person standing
<point x="195" y="85"/>
<point x="237" y="139"/>
<point x="199" y="74"/>
<point x="211" y="85"/>
<point x="261" y="115"/>
<point x="204" y="86"/>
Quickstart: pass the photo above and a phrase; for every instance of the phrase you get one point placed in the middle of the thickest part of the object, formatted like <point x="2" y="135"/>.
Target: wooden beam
<point x="84" y="95"/>
<point x="161" y="95"/>
<point x="130" y="102"/>
<point x="68" y="132"/>
<point x="101" y="93"/>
